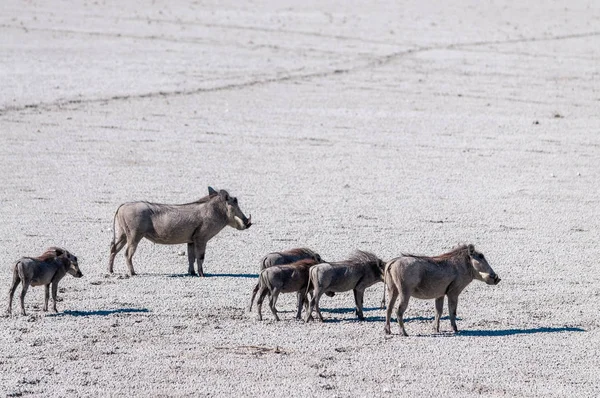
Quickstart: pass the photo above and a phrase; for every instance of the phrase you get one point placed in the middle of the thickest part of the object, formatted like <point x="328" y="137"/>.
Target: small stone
<point x="181" y="253"/>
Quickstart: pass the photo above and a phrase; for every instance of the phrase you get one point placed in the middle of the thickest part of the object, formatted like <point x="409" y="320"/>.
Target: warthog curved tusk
<point x="239" y="221"/>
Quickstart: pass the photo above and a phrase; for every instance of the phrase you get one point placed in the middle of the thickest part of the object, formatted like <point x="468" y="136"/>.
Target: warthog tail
<point x="263" y="282"/>
<point x="263" y="263"/>
<point x="310" y="284"/>
<point x="114" y="238"/>
<point x="385" y="272"/>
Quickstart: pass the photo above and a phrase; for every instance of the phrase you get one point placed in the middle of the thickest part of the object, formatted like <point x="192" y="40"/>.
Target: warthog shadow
<point x="101" y="312"/>
<point x="346" y="310"/>
<point x="249" y="276"/>
<point x="374" y="318"/>
<point x="512" y="332"/>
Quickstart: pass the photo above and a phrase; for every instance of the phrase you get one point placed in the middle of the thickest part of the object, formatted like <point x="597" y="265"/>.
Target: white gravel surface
<point x="388" y="127"/>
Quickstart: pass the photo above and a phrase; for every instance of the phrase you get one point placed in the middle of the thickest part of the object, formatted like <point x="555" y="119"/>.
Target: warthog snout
<point x="491" y="279"/>
<point x="78" y="274"/>
<point x="243" y="223"/>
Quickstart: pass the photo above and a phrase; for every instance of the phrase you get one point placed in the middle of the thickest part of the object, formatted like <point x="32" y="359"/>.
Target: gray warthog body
<point x="287" y="278"/>
<point x="192" y="223"/>
<point x="360" y="271"/>
<point x="49" y="268"/>
<point x="433" y="278"/>
<point x="281" y="258"/>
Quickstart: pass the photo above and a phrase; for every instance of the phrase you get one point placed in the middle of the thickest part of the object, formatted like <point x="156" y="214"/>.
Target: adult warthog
<point x="433" y="278"/>
<point x="286" y="278"/>
<point x="192" y="223"/>
<point x="49" y="268"/>
<point x="281" y="258"/>
<point x="360" y="271"/>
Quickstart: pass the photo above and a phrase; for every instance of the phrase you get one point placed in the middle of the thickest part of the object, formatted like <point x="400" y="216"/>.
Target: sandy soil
<point x="390" y="128"/>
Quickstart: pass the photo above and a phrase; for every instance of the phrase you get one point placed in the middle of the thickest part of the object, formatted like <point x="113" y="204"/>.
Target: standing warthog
<point x="360" y="271"/>
<point x="286" y="278"/>
<point x="281" y="258"/>
<point x="434" y="278"/>
<point x="48" y="268"/>
<point x="192" y="223"/>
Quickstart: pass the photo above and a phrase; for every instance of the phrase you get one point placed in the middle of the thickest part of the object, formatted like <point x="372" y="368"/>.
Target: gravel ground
<point x="384" y="127"/>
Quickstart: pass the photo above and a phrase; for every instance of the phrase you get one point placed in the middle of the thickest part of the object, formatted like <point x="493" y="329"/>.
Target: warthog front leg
<point x="358" y="300"/>
<point x="23" y="293"/>
<point x="439" y="308"/>
<point x="54" y="291"/>
<point x="191" y="258"/>
<point x="46" y="296"/>
<point x="452" y="304"/>
<point x="199" y="249"/>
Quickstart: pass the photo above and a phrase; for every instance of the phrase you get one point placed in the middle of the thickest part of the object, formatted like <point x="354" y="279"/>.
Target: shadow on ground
<point x="347" y="310"/>
<point x="249" y="276"/>
<point x="102" y="312"/>
<point x="512" y="332"/>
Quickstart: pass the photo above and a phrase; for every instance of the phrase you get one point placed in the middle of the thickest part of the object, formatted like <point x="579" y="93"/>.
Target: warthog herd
<point x="300" y="270"/>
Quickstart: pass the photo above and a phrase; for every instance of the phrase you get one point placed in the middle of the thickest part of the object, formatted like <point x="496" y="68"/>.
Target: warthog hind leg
<point x="254" y="291"/>
<point x="273" y="302"/>
<point x="404" y="298"/>
<point x="23" y="293"/>
<point x="261" y="296"/>
<point x="129" y="252"/>
<point x="393" y="295"/>
<point x="11" y="291"/>
<point x="114" y="249"/>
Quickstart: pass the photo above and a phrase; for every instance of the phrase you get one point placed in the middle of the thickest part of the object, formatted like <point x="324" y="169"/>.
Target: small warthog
<point x="48" y="268"/>
<point x="281" y="258"/>
<point x="360" y="271"/>
<point x="192" y="223"/>
<point x="286" y="278"/>
<point x="433" y="278"/>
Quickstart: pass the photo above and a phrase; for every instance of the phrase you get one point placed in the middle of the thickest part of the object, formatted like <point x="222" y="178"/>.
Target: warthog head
<point x="483" y="271"/>
<point x="235" y="216"/>
<point x="72" y="267"/>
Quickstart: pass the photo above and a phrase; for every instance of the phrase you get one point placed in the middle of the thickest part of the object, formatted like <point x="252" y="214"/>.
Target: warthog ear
<point x="59" y="252"/>
<point x="471" y="249"/>
<point x="211" y="191"/>
<point x="224" y="194"/>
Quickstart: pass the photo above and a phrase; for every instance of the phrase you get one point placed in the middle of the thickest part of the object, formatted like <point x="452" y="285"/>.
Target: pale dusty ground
<point x="387" y="127"/>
